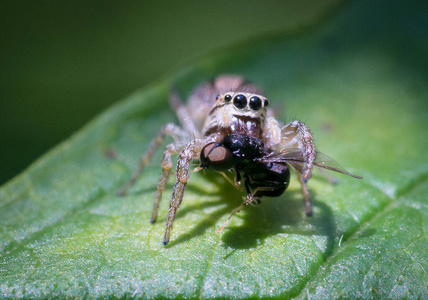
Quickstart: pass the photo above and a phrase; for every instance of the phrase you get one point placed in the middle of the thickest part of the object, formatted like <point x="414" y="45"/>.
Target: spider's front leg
<point x="170" y="150"/>
<point x="296" y="134"/>
<point x="189" y="153"/>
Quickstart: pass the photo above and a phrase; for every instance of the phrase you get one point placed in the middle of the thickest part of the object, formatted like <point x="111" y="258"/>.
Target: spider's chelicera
<point x="226" y="126"/>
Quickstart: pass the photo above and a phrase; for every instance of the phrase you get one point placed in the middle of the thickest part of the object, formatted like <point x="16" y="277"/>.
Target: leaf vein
<point x="402" y="192"/>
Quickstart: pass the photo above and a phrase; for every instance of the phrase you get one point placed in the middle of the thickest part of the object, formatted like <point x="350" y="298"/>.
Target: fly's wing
<point x="294" y="157"/>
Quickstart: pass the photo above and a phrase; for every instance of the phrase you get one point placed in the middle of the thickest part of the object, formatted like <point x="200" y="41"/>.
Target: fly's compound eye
<point x="255" y="103"/>
<point x="240" y="101"/>
<point x="216" y="157"/>
<point x="227" y="98"/>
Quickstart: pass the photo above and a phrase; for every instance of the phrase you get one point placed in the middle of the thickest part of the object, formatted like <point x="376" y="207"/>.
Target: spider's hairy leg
<point x="182" y="113"/>
<point x="170" y="150"/>
<point x="169" y="129"/>
<point x="298" y="134"/>
<point x="305" y="192"/>
<point x="190" y="152"/>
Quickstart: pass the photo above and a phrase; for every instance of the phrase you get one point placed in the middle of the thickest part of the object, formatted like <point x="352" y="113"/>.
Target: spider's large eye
<point x="227" y="98"/>
<point x="240" y="101"/>
<point x="216" y="157"/>
<point x="255" y="103"/>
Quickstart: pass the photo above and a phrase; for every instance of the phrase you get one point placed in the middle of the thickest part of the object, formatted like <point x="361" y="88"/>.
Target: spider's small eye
<point x="218" y="96"/>
<point x="227" y="98"/>
<point x="265" y="102"/>
<point x="255" y="103"/>
<point x="240" y="101"/>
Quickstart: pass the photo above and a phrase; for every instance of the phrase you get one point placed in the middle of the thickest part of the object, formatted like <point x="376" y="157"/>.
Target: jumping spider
<point x="227" y="126"/>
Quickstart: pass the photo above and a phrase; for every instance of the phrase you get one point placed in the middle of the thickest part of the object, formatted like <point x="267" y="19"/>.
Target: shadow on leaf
<point x="280" y="215"/>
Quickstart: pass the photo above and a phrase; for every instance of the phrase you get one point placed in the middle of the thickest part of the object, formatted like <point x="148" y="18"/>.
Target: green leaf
<point x="358" y="81"/>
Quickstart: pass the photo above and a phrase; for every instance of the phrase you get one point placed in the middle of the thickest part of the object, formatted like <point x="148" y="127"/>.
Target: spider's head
<point x="244" y="104"/>
<point x="237" y="111"/>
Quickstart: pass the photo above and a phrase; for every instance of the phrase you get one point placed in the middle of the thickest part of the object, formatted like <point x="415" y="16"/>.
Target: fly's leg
<point x="190" y="152"/>
<point x="298" y="134"/>
<point x="170" y="150"/>
<point x="169" y="129"/>
<point x="250" y="199"/>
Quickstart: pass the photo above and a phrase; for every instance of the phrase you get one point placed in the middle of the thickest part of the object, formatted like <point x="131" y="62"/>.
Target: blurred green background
<point x="63" y="62"/>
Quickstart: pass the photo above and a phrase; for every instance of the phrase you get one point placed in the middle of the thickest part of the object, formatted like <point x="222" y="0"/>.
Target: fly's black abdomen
<point x="271" y="180"/>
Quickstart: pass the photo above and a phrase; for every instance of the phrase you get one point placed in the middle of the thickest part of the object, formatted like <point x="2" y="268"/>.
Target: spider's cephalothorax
<point x="227" y="126"/>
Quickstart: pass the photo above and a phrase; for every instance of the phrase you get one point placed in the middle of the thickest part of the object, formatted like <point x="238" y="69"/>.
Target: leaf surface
<point x="357" y="80"/>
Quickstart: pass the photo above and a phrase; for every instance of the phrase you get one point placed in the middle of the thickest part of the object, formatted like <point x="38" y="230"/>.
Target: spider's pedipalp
<point x="272" y="133"/>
